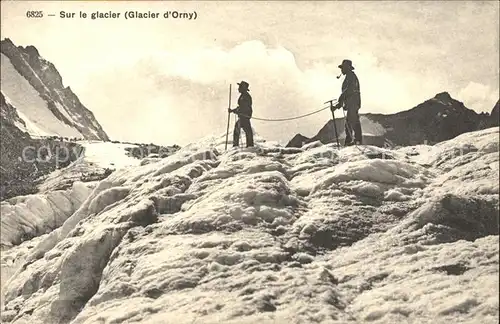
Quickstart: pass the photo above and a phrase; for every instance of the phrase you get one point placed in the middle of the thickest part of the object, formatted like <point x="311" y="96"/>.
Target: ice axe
<point x="334" y="124"/>
<point x="228" y="116"/>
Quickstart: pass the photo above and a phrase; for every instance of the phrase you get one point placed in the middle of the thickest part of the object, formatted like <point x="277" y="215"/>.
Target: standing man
<point x="244" y="112"/>
<point x="350" y="100"/>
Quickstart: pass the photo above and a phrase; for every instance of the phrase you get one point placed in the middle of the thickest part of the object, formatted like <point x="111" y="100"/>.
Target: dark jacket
<point x="350" y="96"/>
<point x="244" y="105"/>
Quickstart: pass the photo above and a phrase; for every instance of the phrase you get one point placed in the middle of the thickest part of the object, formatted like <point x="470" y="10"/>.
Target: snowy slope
<point x="108" y="155"/>
<point x="33" y="87"/>
<point x="31" y="108"/>
<point x="24" y="220"/>
<point x="277" y="235"/>
<point x="25" y="217"/>
<point x="95" y="159"/>
<point x="33" y="215"/>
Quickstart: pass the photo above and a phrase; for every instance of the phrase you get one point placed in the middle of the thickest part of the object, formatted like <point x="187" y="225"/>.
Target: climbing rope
<point x="305" y="115"/>
<point x="285" y="119"/>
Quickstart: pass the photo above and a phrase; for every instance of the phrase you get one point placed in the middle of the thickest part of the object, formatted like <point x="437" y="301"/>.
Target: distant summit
<point x="435" y="120"/>
<point x="444" y="96"/>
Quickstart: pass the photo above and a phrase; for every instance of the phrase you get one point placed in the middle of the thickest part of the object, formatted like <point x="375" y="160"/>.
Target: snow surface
<point x="40" y="121"/>
<point x="96" y="157"/>
<point x="25" y="220"/>
<point x="29" y="216"/>
<point x="63" y="110"/>
<point x="371" y="127"/>
<point x="277" y="235"/>
<point x="109" y="155"/>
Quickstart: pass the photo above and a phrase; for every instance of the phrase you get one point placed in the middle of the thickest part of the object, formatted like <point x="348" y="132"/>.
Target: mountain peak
<point x="443" y="96"/>
<point x="62" y="112"/>
<point x="30" y="50"/>
<point x="7" y="41"/>
<point x="435" y="120"/>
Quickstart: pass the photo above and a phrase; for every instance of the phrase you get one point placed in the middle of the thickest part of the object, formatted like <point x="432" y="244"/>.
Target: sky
<point x="166" y="81"/>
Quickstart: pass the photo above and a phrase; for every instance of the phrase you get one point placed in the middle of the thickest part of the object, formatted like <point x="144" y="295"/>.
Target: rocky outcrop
<point x="435" y="120"/>
<point x="25" y="160"/>
<point x="298" y="141"/>
<point x="495" y="114"/>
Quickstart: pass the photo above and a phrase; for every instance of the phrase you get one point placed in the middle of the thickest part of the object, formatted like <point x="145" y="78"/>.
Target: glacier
<point x="271" y="235"/>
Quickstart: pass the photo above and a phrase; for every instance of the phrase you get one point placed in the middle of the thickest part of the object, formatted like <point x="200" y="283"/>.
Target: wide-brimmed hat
<point x="244" y="85"/>
<point x="347" y="64"/>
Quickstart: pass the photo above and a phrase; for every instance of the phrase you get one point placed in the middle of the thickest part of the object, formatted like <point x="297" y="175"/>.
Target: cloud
<point x="478" y="96"/>
<point x="182" y="95"/>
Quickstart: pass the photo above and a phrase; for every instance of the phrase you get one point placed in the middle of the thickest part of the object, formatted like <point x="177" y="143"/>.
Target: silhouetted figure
<point x="350" y="100"/>
<point x="244" y="112"/>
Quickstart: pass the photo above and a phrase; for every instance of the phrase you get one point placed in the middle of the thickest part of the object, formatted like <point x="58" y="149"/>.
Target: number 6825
<point x="34" y="14"/>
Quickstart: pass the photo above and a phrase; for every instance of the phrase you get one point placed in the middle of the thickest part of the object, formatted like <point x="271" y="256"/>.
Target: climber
<point x="350" y="100"/>
<point x="244" y="112"/>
